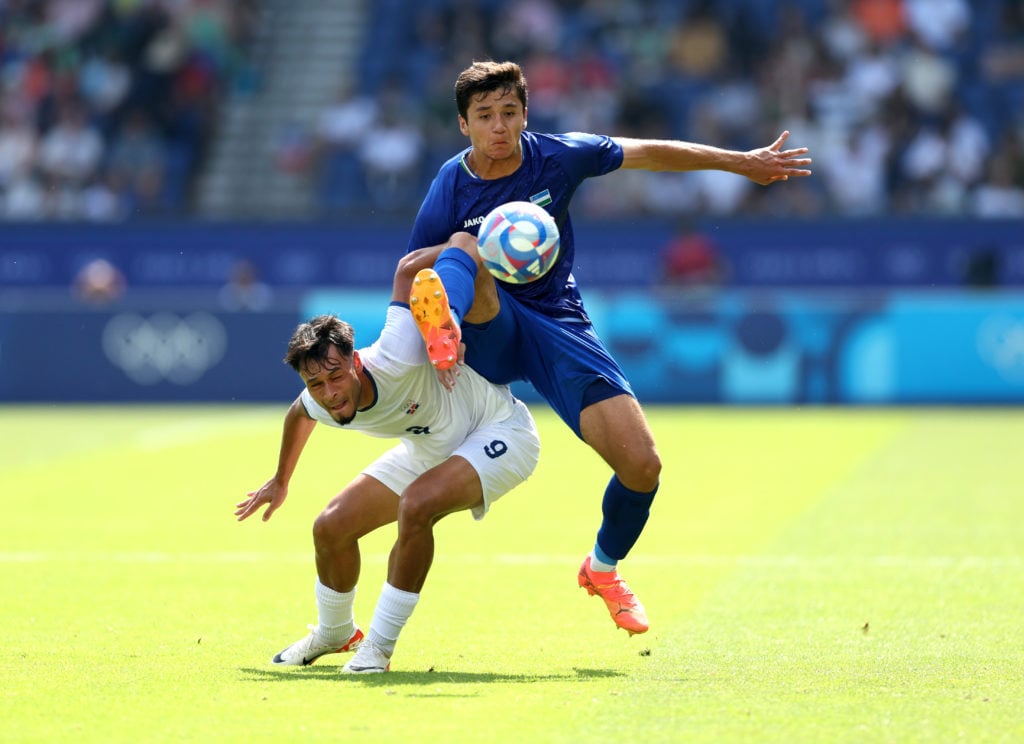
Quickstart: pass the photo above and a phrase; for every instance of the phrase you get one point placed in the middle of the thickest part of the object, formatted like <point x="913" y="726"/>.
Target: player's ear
<point x="526" y="112"/>
<point x="357" y="363"/>
<point x="463" y="126"/>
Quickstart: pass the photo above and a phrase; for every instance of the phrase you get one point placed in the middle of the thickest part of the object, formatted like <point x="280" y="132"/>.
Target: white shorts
<point x="503" y="454"/>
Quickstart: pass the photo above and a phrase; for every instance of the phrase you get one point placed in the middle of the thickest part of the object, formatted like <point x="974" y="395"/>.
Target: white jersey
<point x="411" y="404"/>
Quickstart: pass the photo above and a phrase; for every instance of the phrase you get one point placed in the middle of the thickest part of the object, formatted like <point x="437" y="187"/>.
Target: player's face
<point x="335" y="385"/>
<point x="493" y="125"/>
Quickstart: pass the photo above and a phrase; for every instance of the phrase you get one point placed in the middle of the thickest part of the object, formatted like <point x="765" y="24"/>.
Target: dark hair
<point x="481" y="78"/>
<point x="312" y="341"/>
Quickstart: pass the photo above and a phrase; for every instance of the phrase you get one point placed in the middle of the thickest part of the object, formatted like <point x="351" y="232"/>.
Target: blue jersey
<point x="553" y="167"/>
<point x="543" y="335"/>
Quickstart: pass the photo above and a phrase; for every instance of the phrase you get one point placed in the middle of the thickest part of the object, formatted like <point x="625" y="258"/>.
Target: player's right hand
<point x="270" y="493"/>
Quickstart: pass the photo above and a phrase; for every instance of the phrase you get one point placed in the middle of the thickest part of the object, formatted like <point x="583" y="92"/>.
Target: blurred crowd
<point x="909" y="106"/>
<point x="106" y="106"/>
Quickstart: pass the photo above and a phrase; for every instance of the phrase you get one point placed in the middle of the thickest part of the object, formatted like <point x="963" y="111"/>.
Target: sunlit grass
<point x="811" y="576"/>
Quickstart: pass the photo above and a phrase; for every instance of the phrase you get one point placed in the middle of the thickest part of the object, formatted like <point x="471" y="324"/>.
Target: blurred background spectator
<point x="115" y="109"/>
<point x="907" y="104"/>
<point x="691" y="259"/>
<point x="99" y="282"/>
<point x="244" y="290"/>
<point x="108" y="105"/>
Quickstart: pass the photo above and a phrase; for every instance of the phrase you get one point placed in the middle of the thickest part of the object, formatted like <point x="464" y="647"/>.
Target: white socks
<point x="336" y="623"/>
<point x="394" y="608"/>
<point x="334" y="613"/>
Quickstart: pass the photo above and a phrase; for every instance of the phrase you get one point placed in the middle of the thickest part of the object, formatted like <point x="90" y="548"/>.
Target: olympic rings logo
<point x="164" y="346"/>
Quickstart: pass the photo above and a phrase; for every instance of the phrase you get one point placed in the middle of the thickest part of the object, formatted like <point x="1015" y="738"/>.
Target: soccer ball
<point x="518" y="242"/>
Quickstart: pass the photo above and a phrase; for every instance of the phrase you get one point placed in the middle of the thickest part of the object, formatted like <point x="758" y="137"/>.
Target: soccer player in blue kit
<point x="540" y="331"/>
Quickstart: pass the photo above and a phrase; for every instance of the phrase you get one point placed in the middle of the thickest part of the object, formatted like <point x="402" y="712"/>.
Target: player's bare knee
<point x="330" y="528"/>
<point x="642" y="473"/>
<point x="323" y="530"/>
<point x="651" y="470"/>
<point x="420" y="506"/>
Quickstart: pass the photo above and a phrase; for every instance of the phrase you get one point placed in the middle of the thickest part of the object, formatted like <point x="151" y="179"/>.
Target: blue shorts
<point x="564" y="360"/>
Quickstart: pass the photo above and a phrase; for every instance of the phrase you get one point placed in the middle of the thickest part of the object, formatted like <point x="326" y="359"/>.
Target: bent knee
<point x="334" y="525"/>
<point x="642" y="473"/>
<point x="416" y="510"/>
<point x="466" y="242"/>
<point x="326" y="528"/>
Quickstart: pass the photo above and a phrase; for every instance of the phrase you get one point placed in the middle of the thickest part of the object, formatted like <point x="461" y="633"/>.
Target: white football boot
<point x="304" y="652"/>
<point x="369" y="659"/>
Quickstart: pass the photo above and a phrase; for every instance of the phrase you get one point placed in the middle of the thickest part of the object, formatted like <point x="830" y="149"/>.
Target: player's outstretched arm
<point x="763" y="165"/>
<point x="297" y="428"/>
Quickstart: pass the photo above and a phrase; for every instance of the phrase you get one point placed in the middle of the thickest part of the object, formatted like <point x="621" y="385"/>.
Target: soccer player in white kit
<point x="460" y="447"/>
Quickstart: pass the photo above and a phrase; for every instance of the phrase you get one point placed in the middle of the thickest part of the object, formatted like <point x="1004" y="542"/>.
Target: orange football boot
<point x="428" y="301"/>
<point x="625" y="608"/>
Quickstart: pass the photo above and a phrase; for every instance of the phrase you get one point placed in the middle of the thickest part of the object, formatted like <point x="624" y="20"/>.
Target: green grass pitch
<point x="811" y="575"/>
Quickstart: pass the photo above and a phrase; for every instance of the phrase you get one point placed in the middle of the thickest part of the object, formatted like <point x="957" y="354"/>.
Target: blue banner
<point x="789" y="347"/>
<point x="737" y="347"/>
<point x="775" y="253"/>
<point x="145" y="356"/>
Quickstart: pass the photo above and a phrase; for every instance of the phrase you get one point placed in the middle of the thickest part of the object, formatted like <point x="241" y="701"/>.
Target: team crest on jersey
<point x="411" y="406"/>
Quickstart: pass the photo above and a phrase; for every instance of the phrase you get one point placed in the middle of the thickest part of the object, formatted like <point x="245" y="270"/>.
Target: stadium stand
<point x="121" y="109"/>
<point x="910" y="106"/>
<point x="109" y="107"/>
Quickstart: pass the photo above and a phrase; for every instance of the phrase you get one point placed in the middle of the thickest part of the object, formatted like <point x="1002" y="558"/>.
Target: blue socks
<point x="625" y="514"/>
<point x="457" y="271"/>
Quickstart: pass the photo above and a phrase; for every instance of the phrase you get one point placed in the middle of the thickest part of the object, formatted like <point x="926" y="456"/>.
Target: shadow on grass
<point x="332" y="673"/>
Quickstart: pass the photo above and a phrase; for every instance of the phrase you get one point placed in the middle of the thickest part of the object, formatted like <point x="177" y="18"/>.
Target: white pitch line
<point x="536" y="559"/>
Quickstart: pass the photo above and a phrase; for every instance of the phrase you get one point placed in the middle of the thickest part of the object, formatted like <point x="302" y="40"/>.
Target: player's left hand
<point x="766" y="165"/>
<point x="450" y="375"/>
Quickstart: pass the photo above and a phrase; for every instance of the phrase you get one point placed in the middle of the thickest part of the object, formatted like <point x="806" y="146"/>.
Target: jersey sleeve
<point x="401" y="340"/>
<point x="433" y="223"/>
<point x="588" y="155"/>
